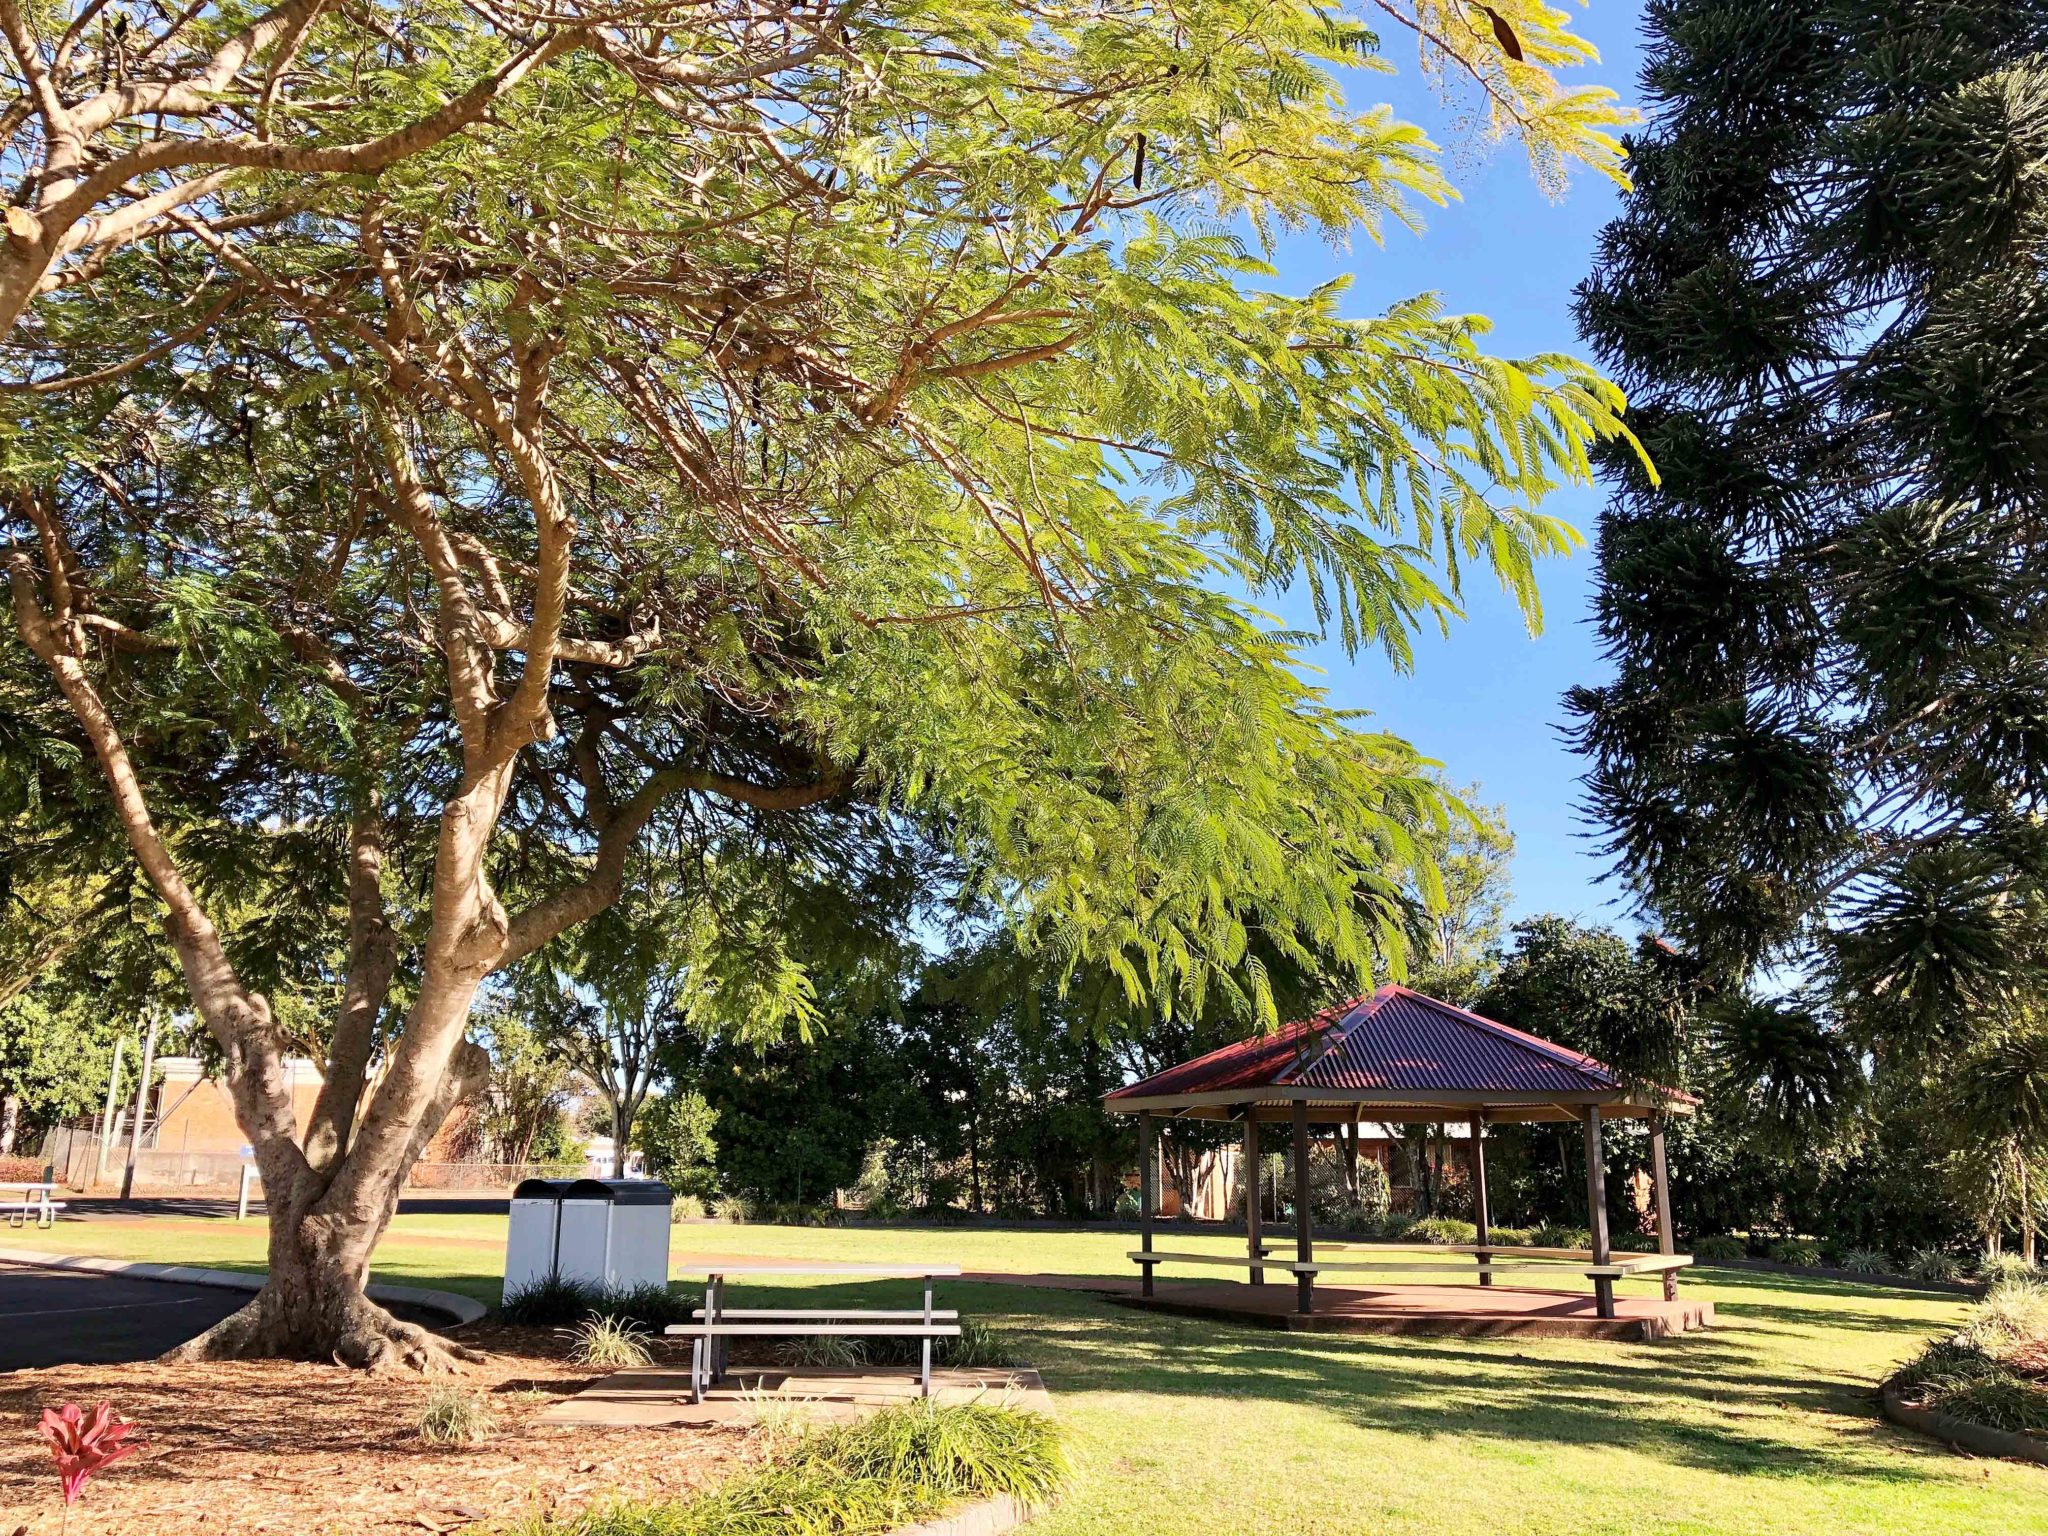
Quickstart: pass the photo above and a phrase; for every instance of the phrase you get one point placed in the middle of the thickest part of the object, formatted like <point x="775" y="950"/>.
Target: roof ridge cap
<point x="1325" y="1040"/>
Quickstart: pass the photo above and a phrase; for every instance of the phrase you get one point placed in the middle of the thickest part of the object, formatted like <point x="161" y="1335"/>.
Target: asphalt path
<point x="68" y="1317"/>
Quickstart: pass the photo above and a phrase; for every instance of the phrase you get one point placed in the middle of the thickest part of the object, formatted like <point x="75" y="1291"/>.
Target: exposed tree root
<point x="346" y="1328"/>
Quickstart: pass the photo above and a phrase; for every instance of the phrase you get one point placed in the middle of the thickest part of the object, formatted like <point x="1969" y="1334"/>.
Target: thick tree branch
<point x="574" y="904"/>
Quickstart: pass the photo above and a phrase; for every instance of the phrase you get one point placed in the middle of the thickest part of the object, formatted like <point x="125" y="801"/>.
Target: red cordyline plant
<point x="82" y="1443"/>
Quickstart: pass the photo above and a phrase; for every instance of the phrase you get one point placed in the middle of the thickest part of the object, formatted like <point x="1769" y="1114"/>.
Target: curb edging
<point x="458" y="1308"/>
<point x="1980" y="1438"/>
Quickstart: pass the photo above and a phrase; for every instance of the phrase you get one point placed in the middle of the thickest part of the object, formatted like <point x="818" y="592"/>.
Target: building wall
<point x="196" y="1116"/>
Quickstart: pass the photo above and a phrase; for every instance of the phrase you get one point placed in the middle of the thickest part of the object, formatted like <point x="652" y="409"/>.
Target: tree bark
<point x="10" y="1122"/>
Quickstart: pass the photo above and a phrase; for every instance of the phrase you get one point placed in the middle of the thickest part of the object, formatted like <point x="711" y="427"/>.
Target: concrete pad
<point x="1467" y="1311"/>
<point x="656" y="1395"/>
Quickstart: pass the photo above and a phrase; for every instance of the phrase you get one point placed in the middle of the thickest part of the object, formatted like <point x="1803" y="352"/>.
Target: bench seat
<point x="707" y="1354"/>
<point x="811" y="1330"/>
<point x="797" y="1314"/>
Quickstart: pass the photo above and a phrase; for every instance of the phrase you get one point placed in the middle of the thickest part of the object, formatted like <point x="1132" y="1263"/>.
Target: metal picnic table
<point x="31" y="1199"/>
<point x="720" y="1322"/>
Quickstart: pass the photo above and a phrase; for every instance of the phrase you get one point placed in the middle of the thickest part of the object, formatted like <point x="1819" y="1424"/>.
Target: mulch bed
<point x="245" y="1447"/>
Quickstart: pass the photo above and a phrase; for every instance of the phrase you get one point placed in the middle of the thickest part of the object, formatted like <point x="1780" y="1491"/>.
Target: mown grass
<point x="1768" y="1423"/>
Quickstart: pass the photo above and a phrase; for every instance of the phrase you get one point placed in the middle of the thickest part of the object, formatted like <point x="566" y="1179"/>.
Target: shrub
<point x="792" y="1213"/>
<point x="21" y="1170"/>
<point x="1867" y="1261"/>
<point x="1443" y="1230"/>
<point x="653" y="1306"/>
<point x="549" y="1302"/>
<point x="1720" y="1248"/>
<point x="1360" y="1220"/>
<point x="1993" y="1370"/>
<point x="1551" y="1234"/>
<point x="557" y="1302"/>
<point x="1512" y="1237"/>
<point x="686" y="1208"/>
<point x="1127" y="1206"/>
<point x="737" y="1208"/>
<point x="455" y="1417"/>
<point x="1799" y="1252"/>
<point x="1634" y="1242"/>
<point x="1995" y="1267"/>
<point x="902" y="1465"/>
<point x="1933" y="1264"/>
<point x="610" y="1343"/>
<point x="1334" y="1205"/>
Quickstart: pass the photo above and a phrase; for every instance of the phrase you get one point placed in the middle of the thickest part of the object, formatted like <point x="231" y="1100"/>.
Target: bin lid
<point x="621" y="1191"/>
<point x="540" y="1189"/>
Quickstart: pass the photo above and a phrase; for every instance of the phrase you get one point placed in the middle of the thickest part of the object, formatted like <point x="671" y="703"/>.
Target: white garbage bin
<point x="614" y="1232"/>
<point x="533" y="1239"/>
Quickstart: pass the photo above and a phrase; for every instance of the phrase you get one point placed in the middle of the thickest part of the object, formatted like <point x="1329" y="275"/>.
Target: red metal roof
<point x="1396" y="1041"/>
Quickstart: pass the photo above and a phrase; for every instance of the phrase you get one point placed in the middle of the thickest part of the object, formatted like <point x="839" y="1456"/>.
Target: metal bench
<point x="714" y="1322"/>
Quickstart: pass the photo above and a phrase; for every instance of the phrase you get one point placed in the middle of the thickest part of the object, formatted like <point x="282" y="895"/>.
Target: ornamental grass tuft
<point x="1994" y="1370"/>
<point x="610" y="1343"/>
<point x="453" y="1416"/>
<point x="901" y="1465"/>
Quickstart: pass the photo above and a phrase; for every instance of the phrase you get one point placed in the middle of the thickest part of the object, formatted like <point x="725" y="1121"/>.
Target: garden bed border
<point x="1981" y="1438"/>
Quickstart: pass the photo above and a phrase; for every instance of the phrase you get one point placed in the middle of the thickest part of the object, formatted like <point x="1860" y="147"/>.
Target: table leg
<point x="713" y="1344"/>
<point x="925" y="1375"/>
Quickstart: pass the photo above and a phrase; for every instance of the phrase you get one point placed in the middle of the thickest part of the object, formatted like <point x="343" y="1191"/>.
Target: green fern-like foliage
<point x="926" y="402"/>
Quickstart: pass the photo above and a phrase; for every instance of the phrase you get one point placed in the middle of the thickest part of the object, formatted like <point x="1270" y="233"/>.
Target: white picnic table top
<point x="870" y="1271"/>
<point x="46" y="1186"/>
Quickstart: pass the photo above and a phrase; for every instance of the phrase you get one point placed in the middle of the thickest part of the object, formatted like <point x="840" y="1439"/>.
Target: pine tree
<point x="1826" y="740"/>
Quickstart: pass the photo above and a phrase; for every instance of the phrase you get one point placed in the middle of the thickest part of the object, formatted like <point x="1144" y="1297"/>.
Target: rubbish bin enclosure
<point x="614" y="1233"/>
<point x="532" y="1241"/>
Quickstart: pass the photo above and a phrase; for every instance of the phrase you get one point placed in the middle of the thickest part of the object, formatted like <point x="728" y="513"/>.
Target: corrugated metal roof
<point x="1397" y="1041"/>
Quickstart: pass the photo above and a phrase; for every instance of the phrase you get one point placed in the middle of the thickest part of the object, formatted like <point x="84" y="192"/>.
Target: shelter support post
<point x="1481" y="1215"/>
<point x="1146" y="1173"/>
<point x="1254" y="1240"/>
<point x="1596" y="1212"/>
<point x="1304" y="1228"/>
<point x="1660" y="1179"/>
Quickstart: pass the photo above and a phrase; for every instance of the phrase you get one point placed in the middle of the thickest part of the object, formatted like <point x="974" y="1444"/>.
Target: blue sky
<point x="1486" y="701"/>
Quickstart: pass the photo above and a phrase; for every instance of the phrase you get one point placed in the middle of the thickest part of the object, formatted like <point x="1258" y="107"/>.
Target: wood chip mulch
<point x="264" y="1446"/>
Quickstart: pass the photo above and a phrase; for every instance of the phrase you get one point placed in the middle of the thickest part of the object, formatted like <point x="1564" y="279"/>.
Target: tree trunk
<point x="323" y="1229"/>
<point x="10" y="1122"/>
<point x="2027" y="1241"/>
<point x="312" y="1307"/>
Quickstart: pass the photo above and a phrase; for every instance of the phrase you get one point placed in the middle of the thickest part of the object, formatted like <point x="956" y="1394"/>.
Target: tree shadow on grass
<point x="1715" y="1401"/>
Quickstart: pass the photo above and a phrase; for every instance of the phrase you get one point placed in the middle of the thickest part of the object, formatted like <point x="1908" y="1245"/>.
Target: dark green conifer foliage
<point x="1826" y="739"/>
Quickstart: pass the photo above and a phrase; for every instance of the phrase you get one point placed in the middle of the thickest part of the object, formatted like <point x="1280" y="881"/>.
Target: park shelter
<point x="1401" y="1057"/>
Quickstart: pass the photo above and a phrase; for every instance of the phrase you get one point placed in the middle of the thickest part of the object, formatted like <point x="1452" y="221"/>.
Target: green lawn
<point x="1766" y="1424"/>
